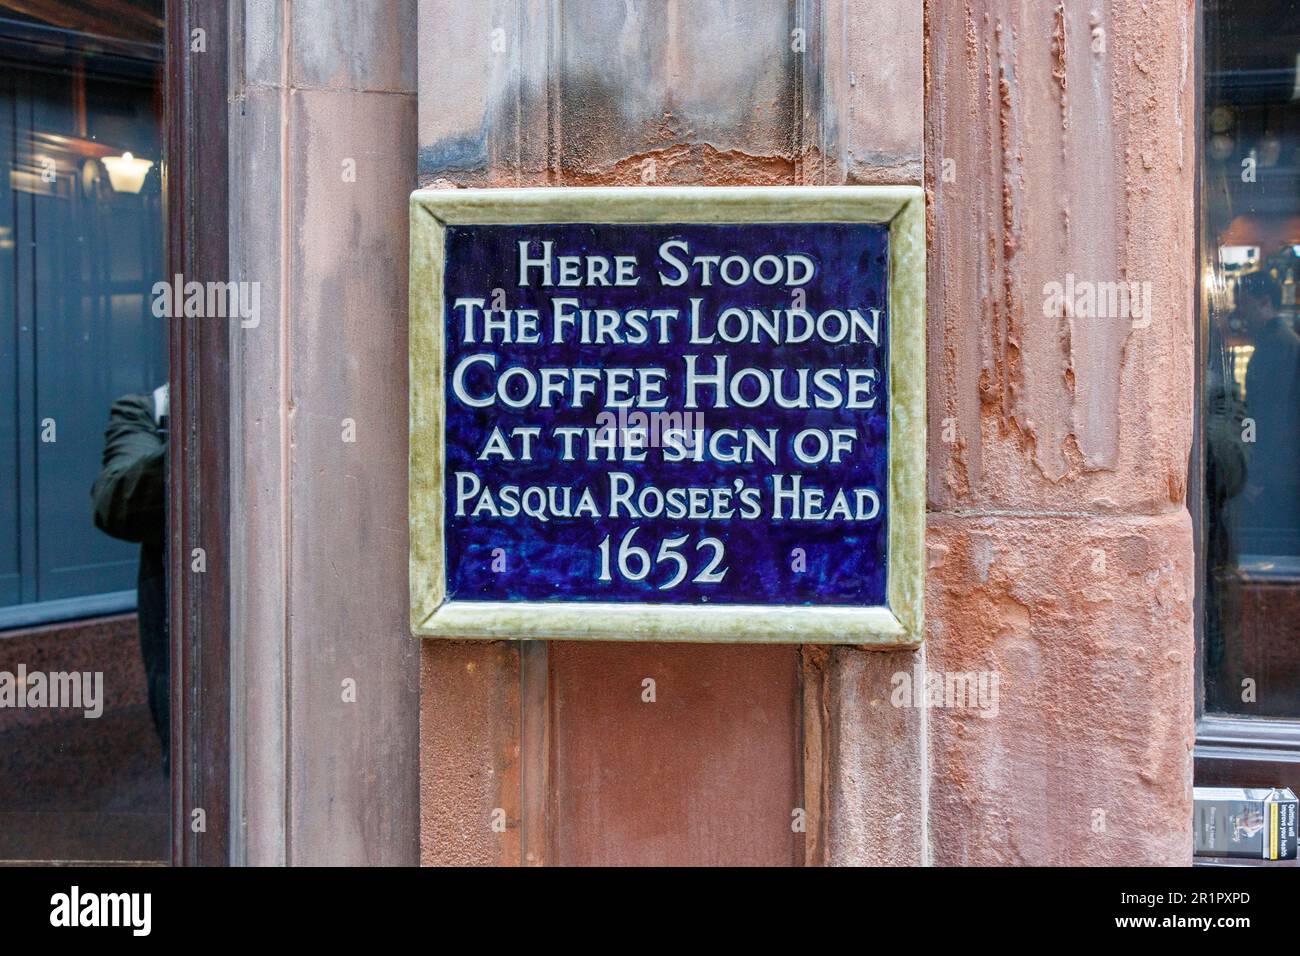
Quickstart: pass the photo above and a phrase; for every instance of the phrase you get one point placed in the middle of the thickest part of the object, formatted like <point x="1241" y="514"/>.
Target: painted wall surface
<point x="1055" y="141"/>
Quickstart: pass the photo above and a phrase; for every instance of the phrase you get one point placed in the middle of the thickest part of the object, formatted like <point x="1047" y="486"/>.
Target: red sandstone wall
<point x="1060" y="547"/>
<point x="739" y="738"/>
<point x="1060" y="542"/>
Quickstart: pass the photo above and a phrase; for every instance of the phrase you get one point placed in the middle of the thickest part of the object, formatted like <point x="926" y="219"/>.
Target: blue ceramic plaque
<point x="667" y="413"/>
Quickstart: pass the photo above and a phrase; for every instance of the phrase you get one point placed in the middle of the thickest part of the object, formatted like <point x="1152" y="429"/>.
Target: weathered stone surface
<point x="353" y="46"/>
<point x="319" y="522"/>
<point x="1087" y="757"/>
<point x="1059" y="148"/>
<point x="706" y="773"/>
<point x="876" y="71"/>
<point x="1059" y="144"/>
<point x="469" y="754"/>
<point x="652" y="93"/>
<point x="1063" y="159"/>
<point x="347" y="482"/>
<point x="690" y="94"/>
<point x="258" y="615"/>
<point x="876" y="789"/>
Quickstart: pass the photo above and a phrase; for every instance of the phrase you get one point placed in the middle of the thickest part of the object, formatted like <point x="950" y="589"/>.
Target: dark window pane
<point x="83" y="688"/>
<point x="1251" y="258"/>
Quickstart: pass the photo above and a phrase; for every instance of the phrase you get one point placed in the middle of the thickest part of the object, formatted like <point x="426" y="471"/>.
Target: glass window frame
<point x="1230" y="750"/>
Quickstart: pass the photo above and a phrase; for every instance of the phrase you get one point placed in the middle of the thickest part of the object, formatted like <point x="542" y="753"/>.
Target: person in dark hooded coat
<point x="129" y="499"/>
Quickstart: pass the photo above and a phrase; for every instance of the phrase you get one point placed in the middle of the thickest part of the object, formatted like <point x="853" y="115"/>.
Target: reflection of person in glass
<point x="1271" y="505"/>
<point x="130" y="503"/>
<point x="1227" y="462"/>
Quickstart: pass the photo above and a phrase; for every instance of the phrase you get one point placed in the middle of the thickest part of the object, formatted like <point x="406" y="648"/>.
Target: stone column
<point x="1059" y="150"/>
<point x="325" y="671"/>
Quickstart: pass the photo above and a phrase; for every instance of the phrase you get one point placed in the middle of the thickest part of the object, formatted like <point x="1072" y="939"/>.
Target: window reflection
<point x="83" y="640"/>
<point x="1251" y="415"/>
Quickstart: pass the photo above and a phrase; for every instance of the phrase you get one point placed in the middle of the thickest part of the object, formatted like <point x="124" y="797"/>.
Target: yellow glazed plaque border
<point x="897" y="624"/>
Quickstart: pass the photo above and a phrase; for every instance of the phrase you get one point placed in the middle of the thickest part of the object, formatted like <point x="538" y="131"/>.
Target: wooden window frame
<point x="197" y="228"/>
